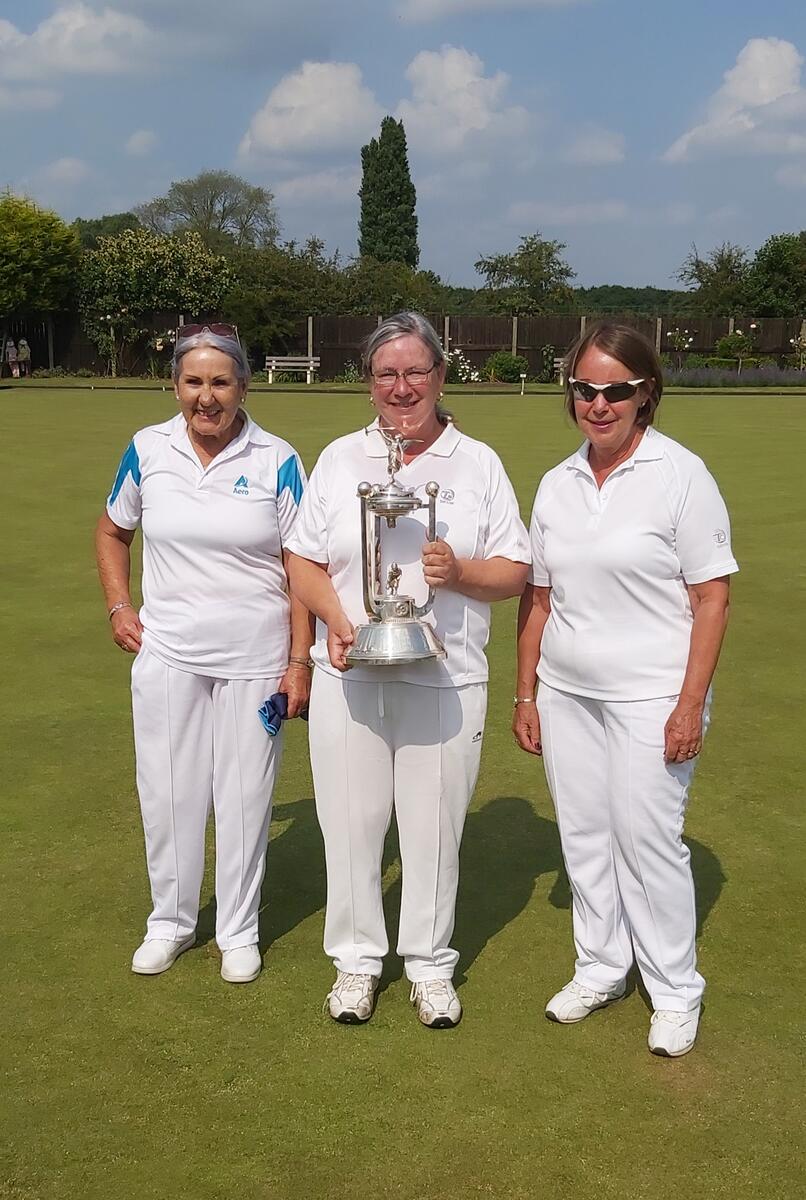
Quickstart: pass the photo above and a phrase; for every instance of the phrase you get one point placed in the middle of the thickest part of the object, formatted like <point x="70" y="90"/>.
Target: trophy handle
<point x="367" y="555"/>
<point x="432" y="491"/>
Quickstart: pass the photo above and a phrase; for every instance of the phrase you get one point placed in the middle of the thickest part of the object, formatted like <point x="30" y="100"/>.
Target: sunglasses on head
<point x="219" y="329"/>
<point x="612" y="392"/>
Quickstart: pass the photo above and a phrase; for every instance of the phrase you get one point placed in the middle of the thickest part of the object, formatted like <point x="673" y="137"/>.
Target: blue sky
<point x="625" y="128"/>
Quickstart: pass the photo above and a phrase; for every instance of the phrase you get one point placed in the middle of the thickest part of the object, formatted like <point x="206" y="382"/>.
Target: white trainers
<point x="159" y="954"/>
<point x="436" y="1003"/>
<point x="351" y="1000"/>
<point x="240" y="965"/>
<point x="672" y="1034"/>
<point x="575" y="1002"/>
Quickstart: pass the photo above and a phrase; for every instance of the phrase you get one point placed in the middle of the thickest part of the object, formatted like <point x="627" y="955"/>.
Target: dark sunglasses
<point x="612" y="392"/>
<point x="220" y="330"/>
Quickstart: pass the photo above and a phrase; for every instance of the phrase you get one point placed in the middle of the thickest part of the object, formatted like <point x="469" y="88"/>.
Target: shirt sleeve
<point x="506" y="532"/>
<point x="309" y="536"/>
<point x="538" y="572"/>
<point x="702" y="530"/>
<point x="291" y="483"/>
<point x="124" y="504"/>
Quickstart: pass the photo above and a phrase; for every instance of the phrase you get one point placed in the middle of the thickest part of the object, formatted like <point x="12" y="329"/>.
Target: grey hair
<point x="226" y="345"/>
<point x="400" y="325"/>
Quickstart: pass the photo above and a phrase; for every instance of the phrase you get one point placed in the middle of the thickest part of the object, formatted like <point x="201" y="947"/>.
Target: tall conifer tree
<point x="387" y="229"/>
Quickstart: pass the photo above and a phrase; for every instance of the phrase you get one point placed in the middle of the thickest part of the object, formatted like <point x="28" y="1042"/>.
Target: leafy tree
<point x="533" y="279"/>
<point x="387" y="227"/>
<point x="109" y="225"/>
<point x="717" y="282"/>
<point x="225" y="210"/>
<point x="776" y="280"/>
<point x="614" y="299"/>
<point x="129" y="278"/>
<point x="370" y="286"/>
<point x="39" y="258"/>
<point x="273" y="289"/>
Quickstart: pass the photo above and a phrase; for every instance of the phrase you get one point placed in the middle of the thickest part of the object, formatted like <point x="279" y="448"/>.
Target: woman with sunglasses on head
<point x="402" y="737"/>
<point x="216" y="637"/>
<point x="622" y="622"/>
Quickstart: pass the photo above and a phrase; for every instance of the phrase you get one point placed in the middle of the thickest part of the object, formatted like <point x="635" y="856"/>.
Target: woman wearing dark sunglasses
<point x="216" y="497"/>
<point x="622" y="623"/>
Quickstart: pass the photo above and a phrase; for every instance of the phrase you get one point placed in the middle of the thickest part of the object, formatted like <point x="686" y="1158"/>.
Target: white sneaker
<point x="436" y="1003"/>
<point x="672" y="1034"/>
<point x="351" y="1000"/>
<point x="575" y="1002"/>
<point x="241" y="965"/>
<point x="159" y="954"/>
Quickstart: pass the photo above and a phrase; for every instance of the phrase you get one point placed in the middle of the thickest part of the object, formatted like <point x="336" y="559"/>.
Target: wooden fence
<point x="337" y="339"/>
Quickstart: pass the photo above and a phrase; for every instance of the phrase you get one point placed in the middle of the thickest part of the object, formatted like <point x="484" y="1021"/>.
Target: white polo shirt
<point x="617" y="560"/>
<point x="214" y="587"/>
<point x="477" y="514"/>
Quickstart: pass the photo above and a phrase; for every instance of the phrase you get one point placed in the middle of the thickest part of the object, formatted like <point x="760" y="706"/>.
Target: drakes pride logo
<point x="241" y="487"/>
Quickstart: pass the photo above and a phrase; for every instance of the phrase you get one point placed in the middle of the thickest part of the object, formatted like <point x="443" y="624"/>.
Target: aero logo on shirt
<point x="241" y="486"/>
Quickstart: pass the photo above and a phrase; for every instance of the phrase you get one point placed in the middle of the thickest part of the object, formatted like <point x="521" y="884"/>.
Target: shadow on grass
<point x="506" y="848"/>
<point x="294" y="886"/>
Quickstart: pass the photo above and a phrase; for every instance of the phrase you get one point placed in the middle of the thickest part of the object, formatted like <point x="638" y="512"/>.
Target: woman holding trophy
<point x="400" y="575"/>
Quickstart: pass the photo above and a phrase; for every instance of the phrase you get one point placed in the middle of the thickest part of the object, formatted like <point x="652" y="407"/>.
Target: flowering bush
<point x="798" y="344"/>
<point x="680" y="340"/>
<point x="460" y="369"/>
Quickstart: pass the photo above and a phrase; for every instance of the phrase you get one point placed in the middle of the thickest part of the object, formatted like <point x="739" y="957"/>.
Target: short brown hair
<point x="628" y="346"/>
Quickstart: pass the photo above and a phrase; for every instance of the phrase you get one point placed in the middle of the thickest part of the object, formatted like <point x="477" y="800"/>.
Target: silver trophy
<point x="395" y="634"/>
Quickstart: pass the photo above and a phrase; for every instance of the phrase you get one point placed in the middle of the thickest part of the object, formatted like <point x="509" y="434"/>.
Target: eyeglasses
<point x="219" y="329"/>
<point x="612" y="392"/>
<point x="415" y="376"/>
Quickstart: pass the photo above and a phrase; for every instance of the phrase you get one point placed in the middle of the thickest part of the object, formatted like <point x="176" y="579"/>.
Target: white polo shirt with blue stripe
<point x="215" y="598"/>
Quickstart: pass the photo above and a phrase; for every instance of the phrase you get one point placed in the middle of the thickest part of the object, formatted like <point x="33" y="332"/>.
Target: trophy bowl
<point x="396" y="634"/>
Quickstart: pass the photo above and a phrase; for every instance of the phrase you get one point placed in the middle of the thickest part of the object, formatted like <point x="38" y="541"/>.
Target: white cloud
<point x="595" y="147"/>
<point x="141" y="142"/>
<point x="432" y="10"/>
<point x="455" y="106"/>
<point x="536" y="214"/>
<point x="321" y="106"/>
<point x="333" y="186"/>
<point x="66" y="172"/>
<point x="759" y="108"/>
<point x="27" y="97"/>
<point x="75" y="40"/>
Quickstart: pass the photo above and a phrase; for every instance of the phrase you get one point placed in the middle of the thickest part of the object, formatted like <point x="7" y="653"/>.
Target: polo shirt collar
<point x="649" y="449"/>
<point x="249" y="432"/>
<point x="443" y="447"/>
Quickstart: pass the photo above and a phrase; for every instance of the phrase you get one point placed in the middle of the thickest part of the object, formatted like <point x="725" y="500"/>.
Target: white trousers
<point x="199" y="742"/>
<point x="414" y="748"/>
<point x="620" y="812"/>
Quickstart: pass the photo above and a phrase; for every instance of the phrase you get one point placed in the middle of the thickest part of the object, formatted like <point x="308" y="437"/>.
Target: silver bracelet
<point x="524" y="699"/>
<point x="117" y="607"/>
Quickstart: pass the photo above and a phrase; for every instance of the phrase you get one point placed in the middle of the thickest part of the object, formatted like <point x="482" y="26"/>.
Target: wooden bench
<point x="291" y="362"/>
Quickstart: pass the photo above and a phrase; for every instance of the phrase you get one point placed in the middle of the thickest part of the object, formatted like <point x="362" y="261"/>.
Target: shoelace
<point x="674" y="1018"/>
<point x="437" y="992"/>
<point x="344" y="985"/>
<point x="584" y="993"/>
